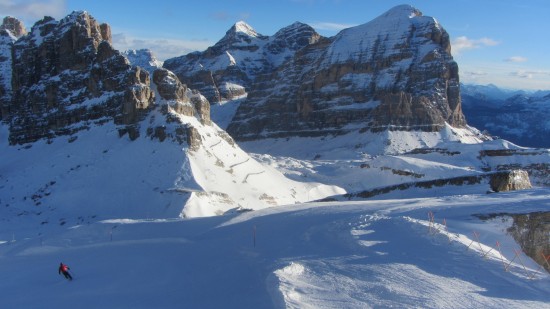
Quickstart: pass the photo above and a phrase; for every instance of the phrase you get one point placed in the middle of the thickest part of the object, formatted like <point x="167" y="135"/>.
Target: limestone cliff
<point x="65" y="76"/>
<point x="393" y="73"/>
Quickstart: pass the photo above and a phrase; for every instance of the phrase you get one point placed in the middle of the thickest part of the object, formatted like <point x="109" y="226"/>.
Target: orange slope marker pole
<point x="431" y="219"/>
<point x="508" y="266"/>
<point x="501" y="256"/>
<point x="487" y="253"/>
<point x="546" y="258"/>
<point x="447" y="230"/>
<point x="468" y="248"/>
<point x="518" y="253"/>
<point x="541" y="266"/>
<point x="476" y="235"/>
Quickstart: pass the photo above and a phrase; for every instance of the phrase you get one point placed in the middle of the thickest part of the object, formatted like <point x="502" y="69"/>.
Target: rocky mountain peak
<point x="65" y="76"/>
<point x="82" y="22"/>
<point x="392" y="73"/>
<point x="401" y="11"/>
<point x="244" y="28"/>
<point x="143" y="58"/>
<point x="240" y="36"/>
<point x="294" y="37"/>
<point x="14" y="26"/>
<point x="227" y="70"/>
<point x="395" y="72"/>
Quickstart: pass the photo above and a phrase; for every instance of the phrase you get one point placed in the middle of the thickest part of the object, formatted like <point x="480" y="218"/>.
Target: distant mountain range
<point x="521" y="117"/>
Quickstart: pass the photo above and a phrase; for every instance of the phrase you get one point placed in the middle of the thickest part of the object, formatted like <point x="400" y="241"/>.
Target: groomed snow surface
<point x="370" y="254"/>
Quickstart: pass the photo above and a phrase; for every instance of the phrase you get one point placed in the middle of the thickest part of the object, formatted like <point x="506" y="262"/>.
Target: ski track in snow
<point x="373" y="254"/>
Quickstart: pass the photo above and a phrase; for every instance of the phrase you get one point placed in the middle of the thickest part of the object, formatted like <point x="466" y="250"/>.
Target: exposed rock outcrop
<point x="229" y="69"/>
<point x="531" y="232"/>
<point x="393" y="73"/>
<point x="10" y="30"/>
<point x="184" y="100"/>
<point x="14" y="26"/>
<point x="510" y="181"/>
<point x="144" y="59"/>
<point x="66" y="75"/>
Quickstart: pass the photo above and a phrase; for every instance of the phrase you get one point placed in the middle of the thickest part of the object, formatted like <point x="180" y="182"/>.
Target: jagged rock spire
<point x="14" y="26"/>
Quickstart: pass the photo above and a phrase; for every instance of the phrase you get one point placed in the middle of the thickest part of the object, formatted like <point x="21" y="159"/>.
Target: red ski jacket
<point x="63" y="268"/>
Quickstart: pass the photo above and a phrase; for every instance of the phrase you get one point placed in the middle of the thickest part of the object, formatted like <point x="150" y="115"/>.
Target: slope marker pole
<point x="487" y="253"/>
<point x="431" y="218"/>
<point x="546" y="258"/>
<point x="468" y="248"/>
<point x="541" y="266"/>
<point x="478" y="242"/>
<point x="447" y="230"/>
<point x="518" y="253"/>
<point x="508" y="266"/>
<point x="501" y="256"/>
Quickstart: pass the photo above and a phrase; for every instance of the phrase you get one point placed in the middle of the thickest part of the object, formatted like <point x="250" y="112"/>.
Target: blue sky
<point x="504" y="42"/>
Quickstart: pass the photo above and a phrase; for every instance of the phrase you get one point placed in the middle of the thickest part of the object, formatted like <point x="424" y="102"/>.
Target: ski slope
<point x="369" y="254"/>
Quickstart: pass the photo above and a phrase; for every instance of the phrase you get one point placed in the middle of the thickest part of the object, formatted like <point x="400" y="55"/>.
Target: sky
<point x="501" y="42"/>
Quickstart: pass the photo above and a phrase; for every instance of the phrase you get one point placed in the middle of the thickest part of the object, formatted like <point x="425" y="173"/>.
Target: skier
<point x="65" y="270"/>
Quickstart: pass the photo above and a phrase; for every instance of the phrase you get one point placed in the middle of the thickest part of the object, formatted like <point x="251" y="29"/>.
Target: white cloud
<point x="530" y="74"/>
<point x="463" y="43"/>
<point x="330" y="26"/>
<point x="474" y="74"/>
<point x="32" y="11"/>
<point x="516" y="59"/>
<point x="162" y="48"/>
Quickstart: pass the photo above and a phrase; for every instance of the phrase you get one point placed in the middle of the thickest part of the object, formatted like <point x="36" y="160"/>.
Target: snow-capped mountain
<point x="230" y="68"/>
<point x="518" y="116"/>
<point x="144" y="59"/>
<point x="99" y="92"/>
<point x="107" y="166"/>
<point x="102" y="138"/>
<point x="393" y="73"/>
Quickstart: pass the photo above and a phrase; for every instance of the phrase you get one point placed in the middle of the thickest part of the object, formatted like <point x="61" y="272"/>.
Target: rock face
<point x="531" y="232"/>
<point x="183" y="100"/>
<point x="393" y="73"/>
<point x="14" y="26"/>
<point x="66" y="76"/>
<point x="144" y="59"/>
<point x="231" y="67"/>
<point x="510" y="181"/>
<point x="10" y="30"/>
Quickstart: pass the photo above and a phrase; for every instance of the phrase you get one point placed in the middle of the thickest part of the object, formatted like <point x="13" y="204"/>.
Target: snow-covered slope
<point x="97" y="174"/>
<point x="422" y="252"/>
<point x="229" y="179"/>
<point x="354" y="161"/>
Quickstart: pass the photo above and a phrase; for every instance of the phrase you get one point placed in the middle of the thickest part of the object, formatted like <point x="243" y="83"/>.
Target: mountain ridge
<point x="63" y="107"/>
<point x="395" y="72"/>
<point x="115" y="184"/>
<point x="103" y="92"/>
<point x="515" y="115"/>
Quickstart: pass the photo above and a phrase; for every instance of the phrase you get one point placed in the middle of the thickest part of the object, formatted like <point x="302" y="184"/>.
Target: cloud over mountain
<point x="463" y="43"/>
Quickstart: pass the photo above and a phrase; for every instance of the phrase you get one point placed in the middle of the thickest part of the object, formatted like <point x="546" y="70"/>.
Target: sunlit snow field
<point x="340" y="255"/>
